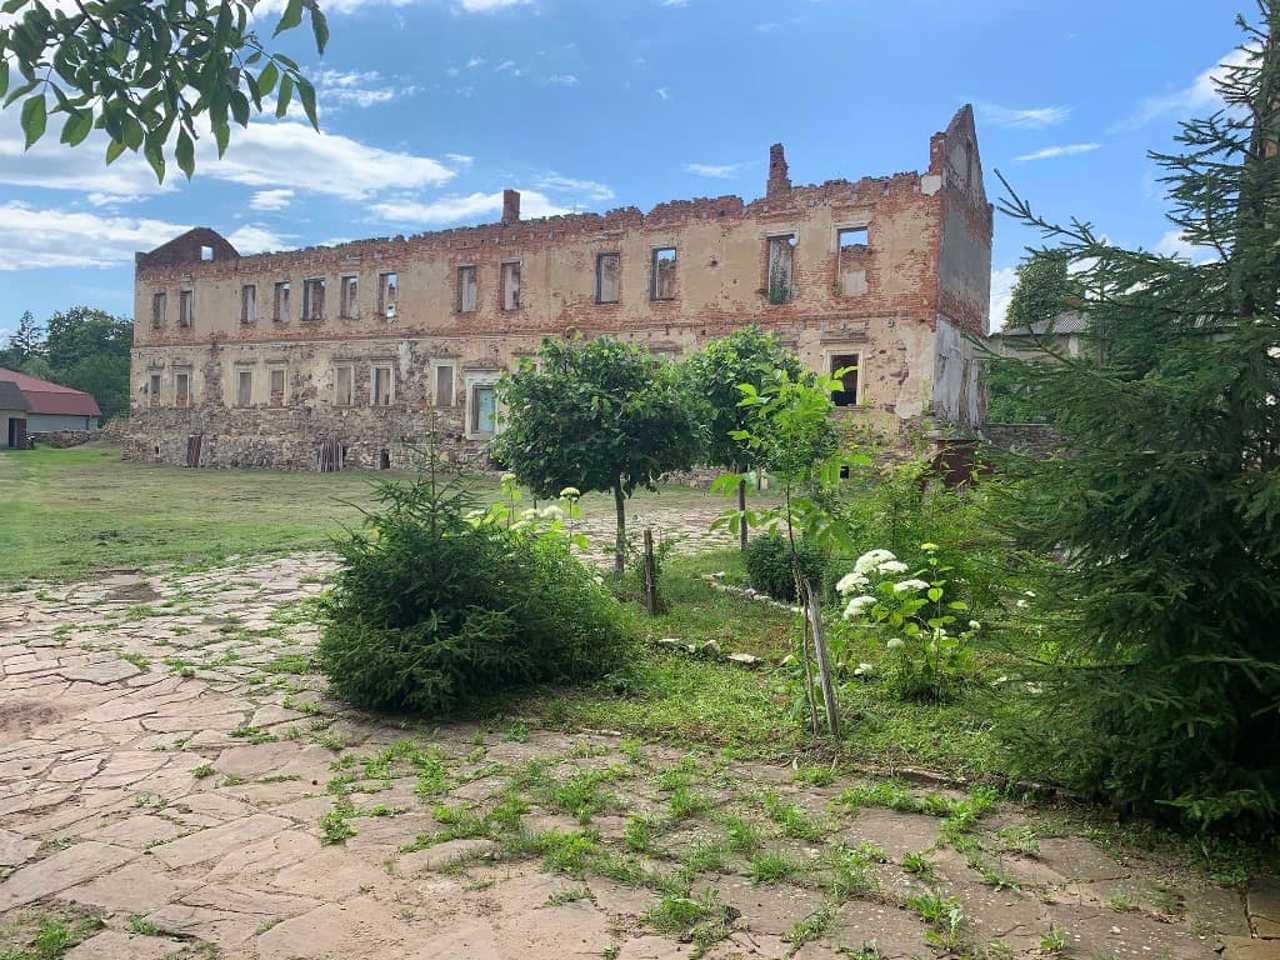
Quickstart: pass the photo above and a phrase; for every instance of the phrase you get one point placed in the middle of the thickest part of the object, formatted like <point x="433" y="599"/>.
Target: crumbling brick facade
<point x="292" y="359"/>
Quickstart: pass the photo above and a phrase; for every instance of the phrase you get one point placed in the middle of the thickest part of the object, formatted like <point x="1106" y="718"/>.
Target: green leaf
<point x="13" y="6"/>
<point x="308" y="94"/>
<point x="34" y="119"/>
<point x="935" y="594"/>
<point x="4" y="75"/>
<point x="222" y="135"/>
<point x="291" y="18"/>
<point x="18" y="92"/>
<point x="267" y="79"/>
<point x="285" y="95"/>
<point x="320" y="27"/>
<point x="185" y="152"/>
<point x="154" y="152"/>
<point x="77" y="127"/>
<point x="240" y="108"/>
<point x="114" y="149"/>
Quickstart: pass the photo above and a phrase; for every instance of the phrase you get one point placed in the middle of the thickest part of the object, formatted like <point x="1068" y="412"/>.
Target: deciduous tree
<point x="605" y="415"/>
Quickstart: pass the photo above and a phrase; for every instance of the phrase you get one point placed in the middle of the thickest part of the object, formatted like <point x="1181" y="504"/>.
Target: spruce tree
<point x="1162" y="684"/>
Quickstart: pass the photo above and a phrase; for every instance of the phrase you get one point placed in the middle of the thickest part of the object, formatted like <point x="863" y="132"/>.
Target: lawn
<point x="71" y="513"/>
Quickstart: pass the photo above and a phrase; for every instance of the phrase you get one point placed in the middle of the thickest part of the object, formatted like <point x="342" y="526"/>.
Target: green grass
<point x="72" y="512"/>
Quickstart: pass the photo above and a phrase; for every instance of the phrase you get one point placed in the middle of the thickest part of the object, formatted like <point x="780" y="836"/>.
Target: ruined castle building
<point x="342" y="355"/>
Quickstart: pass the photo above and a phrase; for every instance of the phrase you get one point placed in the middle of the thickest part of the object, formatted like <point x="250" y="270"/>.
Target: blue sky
<point x="429" y="108"/>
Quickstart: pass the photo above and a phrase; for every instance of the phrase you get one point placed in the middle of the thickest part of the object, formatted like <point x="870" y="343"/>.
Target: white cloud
<point x="267" y="154"/>
<point x="718" y="171"/>
<point x="476" y="62"/>
<point x="1002" y="283"/>
<point x="337" y="88"/>
<point x="473" y="208"/>
<point x="1031" y="118"/>
<point x="663" y="93"/>
<point x="460" y="159"/>
<point x="292" y="154"/>
<point x="675" y="3"/>
<point x="1174" y="244"/>
<point x="767" y="27"/>
<point x="255" y="238"/>
<point x="34" y="238"/>
<point x="1201" y="95"/>
<point x="1066" y="150"/>
<point x="487" y="6"/>
<point x="508" y="66"/>
<point x="587" y="189"/>
<point x="271" y="199"/>
<point x="563" y="80"/>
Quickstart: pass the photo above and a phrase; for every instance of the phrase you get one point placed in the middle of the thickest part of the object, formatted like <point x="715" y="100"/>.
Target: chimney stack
<point x="510" y="206"/>
<point x="779" y="180"/>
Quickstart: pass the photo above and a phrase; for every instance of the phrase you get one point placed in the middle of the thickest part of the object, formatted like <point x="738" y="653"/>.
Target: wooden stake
<point x="650" y="575"/>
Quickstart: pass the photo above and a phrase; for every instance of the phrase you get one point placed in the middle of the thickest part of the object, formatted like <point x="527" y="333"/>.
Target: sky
<point x="429" y="108"/>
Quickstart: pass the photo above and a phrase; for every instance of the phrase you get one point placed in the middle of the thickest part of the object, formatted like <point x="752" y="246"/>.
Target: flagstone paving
<point x="169" y="768"/>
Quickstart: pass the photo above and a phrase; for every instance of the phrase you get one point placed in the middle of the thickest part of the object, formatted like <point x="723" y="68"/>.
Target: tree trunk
<point x="742" y="512"/>
<point x="620" y="547"/>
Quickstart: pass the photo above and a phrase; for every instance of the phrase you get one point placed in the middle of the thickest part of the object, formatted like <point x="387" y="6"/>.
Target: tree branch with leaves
<point x="153" y="75"/>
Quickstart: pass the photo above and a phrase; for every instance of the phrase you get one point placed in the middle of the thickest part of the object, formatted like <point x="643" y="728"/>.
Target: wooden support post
<point x="650" y="575"/>
<point x="813" y="611"/>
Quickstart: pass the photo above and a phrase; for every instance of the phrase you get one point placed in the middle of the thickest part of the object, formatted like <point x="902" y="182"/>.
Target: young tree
<point x="601" y="416"/>
<point x="1044" y="288"/>
<point x="1166" y="684"/>
<point x="716" y="372"/>
<point x="25" y="344"/>
<point x="138" y="69"/>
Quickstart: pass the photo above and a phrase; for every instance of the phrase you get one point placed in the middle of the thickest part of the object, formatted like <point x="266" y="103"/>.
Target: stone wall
<point x="61" y="438"/>
<point x="1034" y="439"/>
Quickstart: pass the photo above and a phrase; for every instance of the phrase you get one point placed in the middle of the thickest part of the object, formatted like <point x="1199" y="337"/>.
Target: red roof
<point x="52" y="398"/>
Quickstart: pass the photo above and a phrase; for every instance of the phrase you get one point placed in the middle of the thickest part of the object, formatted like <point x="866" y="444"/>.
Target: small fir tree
<point x="1164" y="685"/>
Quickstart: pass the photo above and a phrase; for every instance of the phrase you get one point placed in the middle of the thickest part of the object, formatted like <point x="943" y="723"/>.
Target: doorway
<point x="17" y="433"/>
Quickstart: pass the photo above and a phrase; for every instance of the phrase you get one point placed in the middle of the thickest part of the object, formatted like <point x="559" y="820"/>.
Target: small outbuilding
<point x="30" y="405"/>
<point x="13" y="416"/>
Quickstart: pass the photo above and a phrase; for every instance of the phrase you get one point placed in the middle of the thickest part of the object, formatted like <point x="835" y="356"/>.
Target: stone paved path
<point x="168" y="766"/>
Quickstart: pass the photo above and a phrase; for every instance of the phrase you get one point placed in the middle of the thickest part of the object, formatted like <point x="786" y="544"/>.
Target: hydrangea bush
<point x="926" y="634"/>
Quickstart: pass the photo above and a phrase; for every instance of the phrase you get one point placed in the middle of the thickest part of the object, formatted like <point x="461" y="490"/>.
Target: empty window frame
<point x="343" y="385"/>
<point x="206" y="252"/>
<point x="663" y="286"/>
<point x="511" y="285"/>
<point x="388" y="294"/>
<point x="444" y="395"/>
<point x="848" y="362"/>
<point x="466" y="289"/>
<point x="484" y="409"/>
<point x="851" y="265"/>
<point x="348" y="291"/>
<point x="381" y="385"/>
<point x="244" y="388"/>
<point x="278" y="384"/>
<point x="313" y="299"/>
<point x="249" y="303"/>
<point x="280" y="302"/>
<point x="186" y="308"/>
<point x="608" y="277"/>
<point x="182" y="389"/>
<point x="153" y="390"/>
<point x="781" y="266"/>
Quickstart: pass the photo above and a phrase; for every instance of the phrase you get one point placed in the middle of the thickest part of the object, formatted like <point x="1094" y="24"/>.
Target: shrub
<point x="768" y="561"/>
<point x="435" y="604"/>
